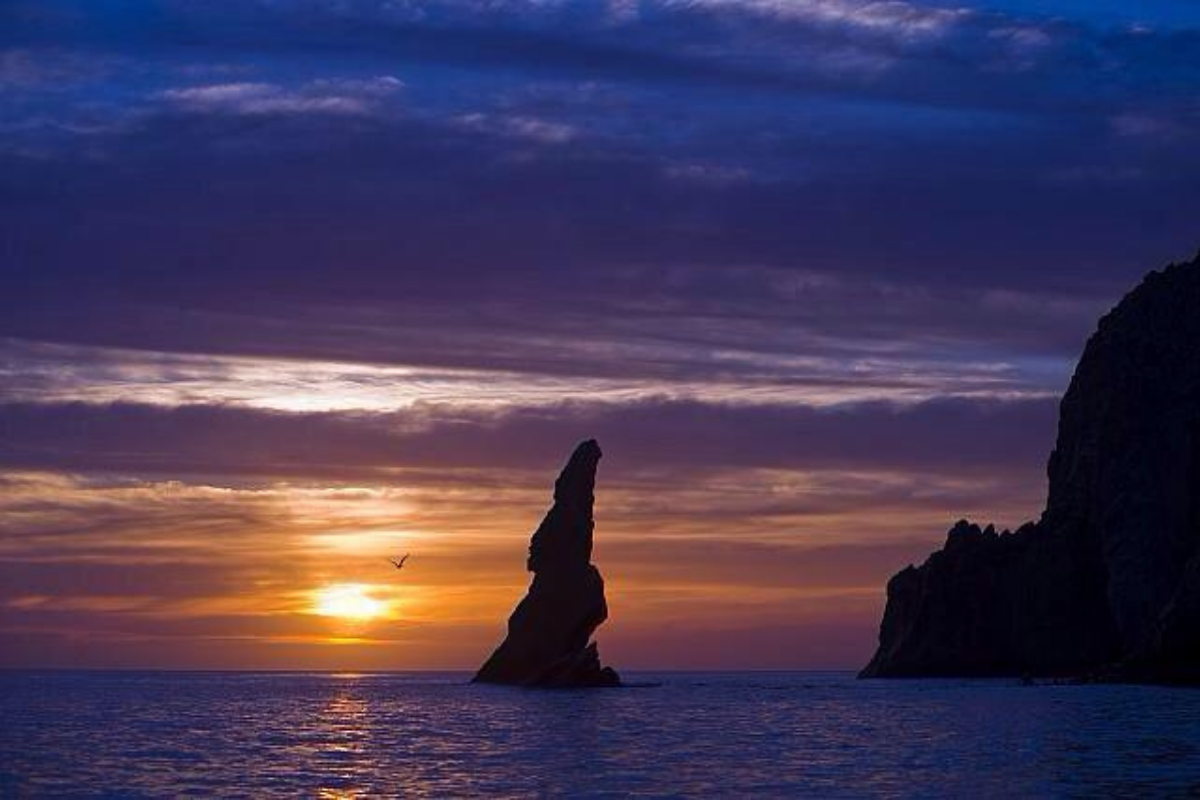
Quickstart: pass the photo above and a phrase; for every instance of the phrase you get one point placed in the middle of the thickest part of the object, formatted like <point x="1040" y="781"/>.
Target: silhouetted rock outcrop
<point x="549" y="632"/>
<point x="1107" y="583"/>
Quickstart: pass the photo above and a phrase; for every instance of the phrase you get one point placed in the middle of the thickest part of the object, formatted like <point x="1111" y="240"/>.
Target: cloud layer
<point x="291" y="285"/>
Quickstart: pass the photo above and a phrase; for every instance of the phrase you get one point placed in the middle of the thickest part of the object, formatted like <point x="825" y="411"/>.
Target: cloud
<point x="648" y="434"/>
<point x="1134" y="125"/>
<point x="44" y="373"/>
<point x="895" y="17"/>
<point x="521" y="127"/>
<point x="324" y="96"/>
<point x="714" y="214"/>
<point x="708" y="173"/>
<point x="1023" y="37"/>
<point x="49" y="69"/>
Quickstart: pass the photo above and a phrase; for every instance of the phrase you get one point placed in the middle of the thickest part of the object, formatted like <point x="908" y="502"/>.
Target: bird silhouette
<point x="399" y="564"/>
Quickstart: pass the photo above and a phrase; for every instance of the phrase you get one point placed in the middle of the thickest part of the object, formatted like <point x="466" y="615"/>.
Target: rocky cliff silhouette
<point x="1107" y="583"/>
<point x="549" y="633"/>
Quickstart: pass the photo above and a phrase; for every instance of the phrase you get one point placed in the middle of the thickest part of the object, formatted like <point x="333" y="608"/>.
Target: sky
<point x="290" y="287"/>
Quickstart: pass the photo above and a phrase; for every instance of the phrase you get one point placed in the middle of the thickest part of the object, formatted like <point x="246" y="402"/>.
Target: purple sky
<point x="319" y="281"/>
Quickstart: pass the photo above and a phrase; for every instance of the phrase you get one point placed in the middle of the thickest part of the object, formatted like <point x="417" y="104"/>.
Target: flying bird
<point x="399" y="564"/>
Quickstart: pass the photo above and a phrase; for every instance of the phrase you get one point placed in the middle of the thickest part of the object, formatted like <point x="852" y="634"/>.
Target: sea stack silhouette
<point x="1106" y="585"/>
<point x="549" y="633"/>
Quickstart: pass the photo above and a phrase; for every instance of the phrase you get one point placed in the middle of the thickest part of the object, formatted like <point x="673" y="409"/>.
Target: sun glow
<point x="347" y="601"/>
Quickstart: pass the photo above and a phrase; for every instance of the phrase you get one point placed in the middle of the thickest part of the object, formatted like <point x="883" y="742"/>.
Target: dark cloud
<point x="943" y="435"/>
<point x="627" y="195"/>
<point x="418" y="243"/>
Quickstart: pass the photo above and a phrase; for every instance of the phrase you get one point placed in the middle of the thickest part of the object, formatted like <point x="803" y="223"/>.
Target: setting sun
<point x="347" y="601"/>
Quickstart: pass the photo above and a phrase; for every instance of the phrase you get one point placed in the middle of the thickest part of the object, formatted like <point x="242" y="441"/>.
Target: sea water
<point x="130" y="734"/>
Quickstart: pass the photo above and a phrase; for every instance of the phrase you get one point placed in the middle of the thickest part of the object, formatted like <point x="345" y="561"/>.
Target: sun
<point x="347" y="601"/>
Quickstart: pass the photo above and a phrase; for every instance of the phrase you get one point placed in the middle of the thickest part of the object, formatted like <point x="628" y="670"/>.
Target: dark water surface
<point x="729" y="734"/>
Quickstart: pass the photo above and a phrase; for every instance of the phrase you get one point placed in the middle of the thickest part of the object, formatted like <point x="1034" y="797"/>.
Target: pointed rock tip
<point x="577" y="480"/>
<point x="583" y="461"/>
<point x="589" y="448"/>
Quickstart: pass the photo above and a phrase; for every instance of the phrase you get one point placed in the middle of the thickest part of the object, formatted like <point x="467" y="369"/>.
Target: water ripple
<point x="423" y="734"/>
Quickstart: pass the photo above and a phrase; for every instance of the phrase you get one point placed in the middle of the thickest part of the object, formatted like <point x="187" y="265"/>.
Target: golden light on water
<point x="349" y="601"/>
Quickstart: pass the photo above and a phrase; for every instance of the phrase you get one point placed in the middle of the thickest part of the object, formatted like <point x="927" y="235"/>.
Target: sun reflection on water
<point x="327" y="793"/>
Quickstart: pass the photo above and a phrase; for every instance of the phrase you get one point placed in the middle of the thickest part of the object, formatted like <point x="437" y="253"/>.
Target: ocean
<point x="254" y="734"/>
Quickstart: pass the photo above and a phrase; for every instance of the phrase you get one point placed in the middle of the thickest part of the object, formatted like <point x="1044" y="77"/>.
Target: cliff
<point x="1107" y="582"/>
<point x="549" y="632"/>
